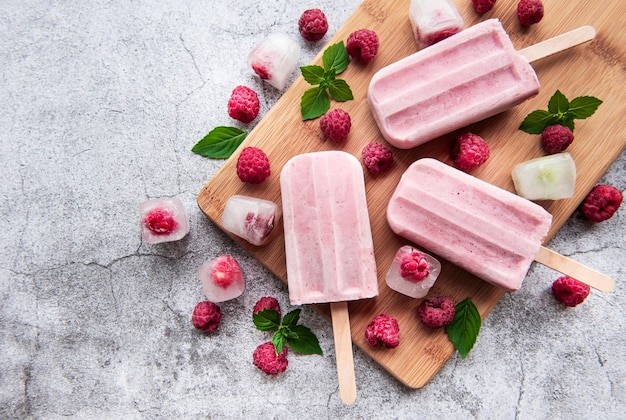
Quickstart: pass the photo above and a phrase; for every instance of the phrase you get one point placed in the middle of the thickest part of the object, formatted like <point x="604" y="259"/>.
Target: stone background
<point x="100" y="105"/>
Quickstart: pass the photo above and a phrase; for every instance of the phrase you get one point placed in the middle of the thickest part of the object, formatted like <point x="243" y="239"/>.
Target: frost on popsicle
<point x="163" y="220"/>
<point x="221" y="279"/>
<point x="412" y="272"/>
<point x="274" y="59"/>
<point x="252" y="219"/>
<point x="551" y="177"/>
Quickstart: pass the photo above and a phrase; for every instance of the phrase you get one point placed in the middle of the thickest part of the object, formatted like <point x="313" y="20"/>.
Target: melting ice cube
<point x="274" y="59"/>
<point x="221" y="279"/>
<point x="163" y="220"/>
<point x="252" y="219"/>
<point x="412" y="272"/>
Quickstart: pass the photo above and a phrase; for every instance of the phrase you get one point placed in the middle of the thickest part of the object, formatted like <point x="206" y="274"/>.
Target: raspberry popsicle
<point x="462" y="79"/>
<point x="490" y="232"/>
<point x="328" y="243"/>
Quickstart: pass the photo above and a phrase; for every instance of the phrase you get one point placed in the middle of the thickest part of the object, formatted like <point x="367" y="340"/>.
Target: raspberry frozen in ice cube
<point x="412" y="272"/>
<point x="252" y="219"/>
<point x="434" y="20"/>
<point x="163" y="220"/>
<point x="275" y="58"/>
<point x="221" y="279"/>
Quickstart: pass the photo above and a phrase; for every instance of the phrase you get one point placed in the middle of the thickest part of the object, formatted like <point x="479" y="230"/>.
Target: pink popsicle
<point x="490" y="232"/>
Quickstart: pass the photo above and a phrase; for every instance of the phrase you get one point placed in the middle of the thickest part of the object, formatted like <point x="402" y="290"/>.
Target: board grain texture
<point x="596" y="68"/>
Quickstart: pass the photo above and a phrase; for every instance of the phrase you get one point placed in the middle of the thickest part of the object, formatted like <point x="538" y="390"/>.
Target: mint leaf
<point x="560" y="111"/>
<point x="558" y="103"/>
<point x="305" y="341"/>
<point x="340" y="91"/>
<point x="464" y="328"/>
<point x="314" y="75"/>
<point x="291" y="319"/>
<point x="220" y="143"/>
<point x="314" y="103"/>
<point x="279" y="340"/>
<point x="567" y="121"/>
<point x="583" y="107"/>
<point x="266" y="320"/>
<point x="537" y="121"/>
<point x="336" y="57"/>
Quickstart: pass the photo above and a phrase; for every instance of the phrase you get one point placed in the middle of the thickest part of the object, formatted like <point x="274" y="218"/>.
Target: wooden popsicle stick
<point x="343" y="351"/>
<point x="559" y="43"/>
<point x="574" y="269"/>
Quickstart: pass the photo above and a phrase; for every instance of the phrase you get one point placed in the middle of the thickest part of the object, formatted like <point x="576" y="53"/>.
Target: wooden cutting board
<point x="596" y="68"/>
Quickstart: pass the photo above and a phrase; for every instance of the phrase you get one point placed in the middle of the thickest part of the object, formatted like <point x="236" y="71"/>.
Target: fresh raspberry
<point x="160" y="221"/>
<point x="225" y="270"/>
<point x="376" y="157"/>
<point x="470" y="151"/>
<point x="414" y="266"/>
<point x="206" y="316"/>
<point x="436" y="312"/>
<point x="266" y="302"/>
<point x="383" y="330"/>
<point x="570" y="292"/>
<point x="243" y="104"/>
<point x="313" y="25"/>
<point x="253" y="166"/>
<point x="529" y="12"/>
<point x="362" y="45"/>
<point x="266" y="359"/>
<point x="336" y="125"/>
<point x="601" y="203"/>
<point x="483" y="6"/>
<point x="556" y="138"/>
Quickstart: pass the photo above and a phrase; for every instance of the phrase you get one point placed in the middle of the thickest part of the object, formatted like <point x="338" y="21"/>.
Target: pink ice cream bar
<point x="490" y="232"/>
<point x="462" y="79"/>
<point x="328" y="239"/>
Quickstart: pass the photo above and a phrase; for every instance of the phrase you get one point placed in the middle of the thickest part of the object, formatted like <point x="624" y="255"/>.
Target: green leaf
<point x="266" y="320"/>
<point x="314" y="103"/>
<point x="336" y="57"/>
<point x="567" y="121"/>
<point x="537" y="121"/>
<point x="314" y="75"/>
<point x="583" y="107"/>
<point x="558" y="103"/>
<point x="279" y="340"/>
<point x="464" y="328"/>
<point x="220" y="143"/>
<point x="306" y="342"/>
<point x="291" y="319"/>
<point x="340" y="91"/>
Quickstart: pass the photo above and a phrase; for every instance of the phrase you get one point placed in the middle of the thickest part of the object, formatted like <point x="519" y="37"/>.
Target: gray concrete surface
<point x="100" y="104"/>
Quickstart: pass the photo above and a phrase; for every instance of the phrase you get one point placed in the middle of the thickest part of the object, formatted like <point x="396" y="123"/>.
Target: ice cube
<point x="275" y="58"/>
<point x="221" y="279"/>
<point x="252" y="219"/>
<point x="412" y="272"/>
<point x="163" y="220"/>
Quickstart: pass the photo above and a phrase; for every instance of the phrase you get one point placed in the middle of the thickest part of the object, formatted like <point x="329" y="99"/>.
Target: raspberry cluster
<point x="383" y="330"/>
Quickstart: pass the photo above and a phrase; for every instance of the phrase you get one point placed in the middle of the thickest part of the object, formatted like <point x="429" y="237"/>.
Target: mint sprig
<point x="220" y="143"/>
<point x="464" y="328"/>
<point x="560" y="111"/>
<point x="287" y="331"/>
<point x="316" y="101"/>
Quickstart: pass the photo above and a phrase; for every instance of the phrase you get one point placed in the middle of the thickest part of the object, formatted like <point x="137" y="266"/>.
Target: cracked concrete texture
<point x="101" y="105"/>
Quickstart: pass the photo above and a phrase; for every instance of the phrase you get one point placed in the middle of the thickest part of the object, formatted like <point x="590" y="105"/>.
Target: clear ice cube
<point x="252" y="219"/>
<point x="275" y="58"/>
<point x="420" y="272"/>
<point x="163" y="220"/>
<point x="221" y="279"/>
